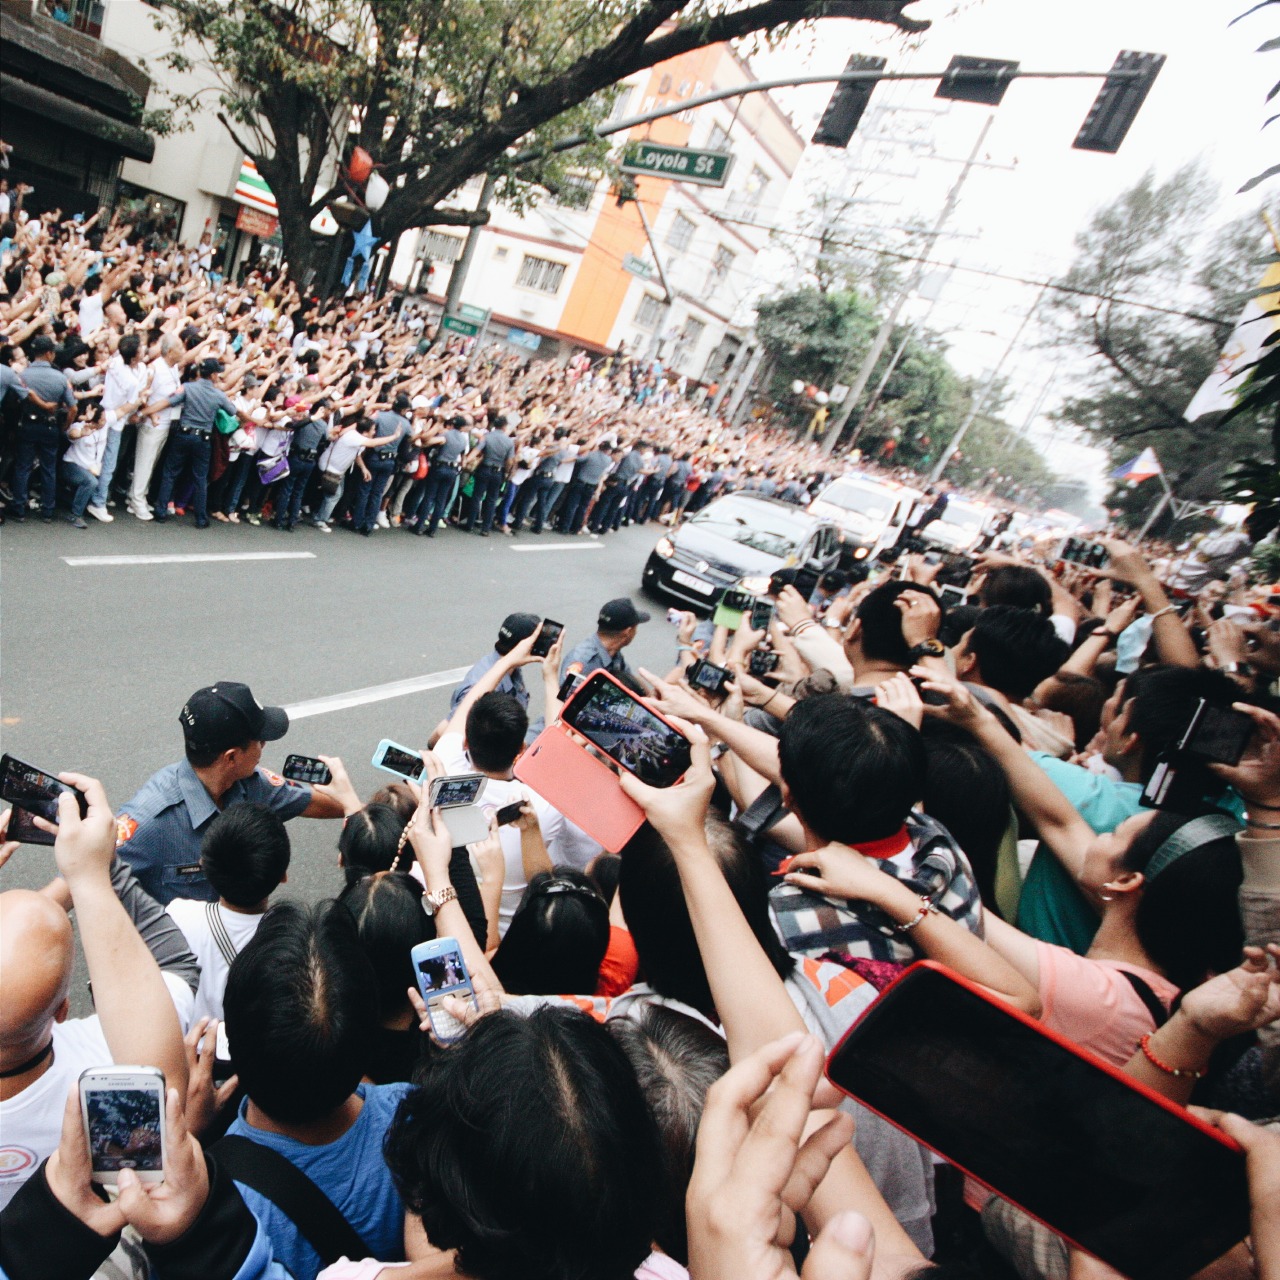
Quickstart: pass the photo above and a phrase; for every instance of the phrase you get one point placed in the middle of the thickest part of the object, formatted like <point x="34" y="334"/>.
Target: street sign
<point x="705" y="168"/>
<point x="522" y="338"/>
<point x="468" y="312"/>
<point x="637" y="267"/>
<point x="464" y="327"/>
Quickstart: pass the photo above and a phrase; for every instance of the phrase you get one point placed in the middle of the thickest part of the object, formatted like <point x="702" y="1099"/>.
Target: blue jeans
<point x="535" y="494"/>
<point x="436" y="496"/>
<point x="82" y="485"/>
<point x="608" y="510"/>
<point x="327" y="506"/>
<point x="27" y="453"/>
<point x="186" y="451"/>
<point x="484" y="498"/>
<point x="364" y="511"/>
<point x="513" y="490"/>
<point x="109" y="457"/>
<point x="292" y="487"/>
<point x="577" y="499"/>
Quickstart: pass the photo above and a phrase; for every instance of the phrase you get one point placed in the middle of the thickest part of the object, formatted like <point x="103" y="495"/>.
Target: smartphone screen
<point x="707" y="676"/>
<point x="737" y="600"/>
<point x="307" y="769"/>
<point x="762" y="662"/>
<point x="761" y="615"/>
<point x="1128" y="1178"/>
<point x="806" y="581"/>
<point x="441" y="971"/>
<point x="1217" y="735"/>
<point x="33" y="793"/>
<point x="123" y="1114"/>
<point x="397" y="759"/>
<point x="952" y="596"/>
<point x="508" y="813"/>
<point x="629" y="733"/>
<point x="547" y="636"/>
<point x="453" y="793"/>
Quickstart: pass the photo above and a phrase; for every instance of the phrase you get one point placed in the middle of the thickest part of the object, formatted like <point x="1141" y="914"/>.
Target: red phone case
<point x="1076" y="1050"/>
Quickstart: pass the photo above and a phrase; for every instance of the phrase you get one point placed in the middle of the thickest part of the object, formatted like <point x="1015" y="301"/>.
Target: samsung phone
<point x="1114" y="1168"/>
<point x="615" y="721"/>
<point x="806" y="581"/>
<point x="123" y="1113"/>
<point x="33" y="794"/>
<point x="1093" y="555"/>
<point x="761" y="614"/>
<point x="440" y="970"/>
<point x="307" y="769"/>
<point x="454" y="792"/>
<point x="708" y="677"/>
<point x="548" y="634"/>
<point x="762" y="662"/>
<point x="1216" y="735"/>
<point x="737" y="600"/>
<point x="391" y="757"/>
<point x="509" y="813"/>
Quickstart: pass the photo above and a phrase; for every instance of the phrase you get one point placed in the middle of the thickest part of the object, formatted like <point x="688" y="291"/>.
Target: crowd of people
<point x="635" y="1086"/>
<point x="136" y="378"/>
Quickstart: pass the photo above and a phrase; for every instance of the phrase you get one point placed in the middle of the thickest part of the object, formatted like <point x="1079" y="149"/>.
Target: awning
<point x="251" y="189"/>
<point x="128" y="138"/>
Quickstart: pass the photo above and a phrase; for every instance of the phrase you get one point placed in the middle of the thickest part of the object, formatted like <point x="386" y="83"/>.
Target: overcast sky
<point x="1207" y="103"/>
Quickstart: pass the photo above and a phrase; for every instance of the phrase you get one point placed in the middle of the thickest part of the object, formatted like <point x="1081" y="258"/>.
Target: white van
<point x="960" y="527"/>
<point x="869" y="512"/>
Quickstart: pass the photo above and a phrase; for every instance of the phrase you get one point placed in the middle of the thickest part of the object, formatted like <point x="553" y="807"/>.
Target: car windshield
<point x="857" y="498"/>
<point x="751" y="526"/>
<point x="965" y="517"/>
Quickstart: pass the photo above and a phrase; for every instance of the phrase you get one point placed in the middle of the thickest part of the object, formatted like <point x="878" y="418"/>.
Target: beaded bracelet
<point x="1182" y="1073"/>
<point x="927" y="908"/>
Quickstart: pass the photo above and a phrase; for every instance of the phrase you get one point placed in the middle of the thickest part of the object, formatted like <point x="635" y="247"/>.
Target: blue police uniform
<point x="158" y="831"/>
<point x="512" y="682"/>
<point x="39" y="436"/>
<point x="590" y="655"/>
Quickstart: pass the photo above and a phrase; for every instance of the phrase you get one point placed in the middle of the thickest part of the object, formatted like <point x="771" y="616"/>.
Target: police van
<point x="868" y="511"/>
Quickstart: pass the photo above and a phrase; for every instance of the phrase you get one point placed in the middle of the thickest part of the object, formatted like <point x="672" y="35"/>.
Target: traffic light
<point x="1118" y="101"/>
<point x="976" y="79"/>
<point x="847" y="104"/>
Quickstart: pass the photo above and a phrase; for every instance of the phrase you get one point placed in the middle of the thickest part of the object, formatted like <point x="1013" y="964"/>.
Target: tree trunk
<point x="295" y="235"/>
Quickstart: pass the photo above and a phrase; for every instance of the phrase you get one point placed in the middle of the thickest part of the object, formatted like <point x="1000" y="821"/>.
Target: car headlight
<point x="665" y="549"/>
<point x="860" y="553"/>
<point x="755" y="586"/>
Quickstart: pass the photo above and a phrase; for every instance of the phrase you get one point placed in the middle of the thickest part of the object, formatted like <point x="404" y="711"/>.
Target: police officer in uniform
<point x="43" y="390"/>
<point x="391" y="425"/>
<point x="615" y="629"/>
<point x="497" y="461"/>
<point x="450" y="445"/>
<point x="159" y="831"/>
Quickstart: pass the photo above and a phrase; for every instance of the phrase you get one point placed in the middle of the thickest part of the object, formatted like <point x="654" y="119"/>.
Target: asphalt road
<point x="96" y="660"/>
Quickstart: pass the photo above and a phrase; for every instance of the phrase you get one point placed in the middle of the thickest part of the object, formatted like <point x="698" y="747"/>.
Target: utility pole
<point x="980" y="398"/>
<point x="859" y="384"/>
<point x="458" y="276"/>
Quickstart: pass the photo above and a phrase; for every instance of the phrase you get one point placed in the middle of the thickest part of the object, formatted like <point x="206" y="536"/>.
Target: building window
<point x="440" y="247"/>
<point x="680" y="233"/>
<point x="691" y="333"/>
<point x="649" y="312"/>
<point x="83" y="15"/>
<point x="500" y="253"/>
<point x="757" y="185"/>
<point x="721" y="265"/>
<point x="719" y="139"/>
<point x="575" y="191"/>
<point x="541" y="274"/>
<point x="621" y="103"/>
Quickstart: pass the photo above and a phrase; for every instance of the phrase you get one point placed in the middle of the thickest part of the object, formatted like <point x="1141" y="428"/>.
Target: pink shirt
<point x="1094" y="1004"/>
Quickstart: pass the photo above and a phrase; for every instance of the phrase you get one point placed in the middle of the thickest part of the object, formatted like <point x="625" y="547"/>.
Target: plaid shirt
<point x="814" y="925"/>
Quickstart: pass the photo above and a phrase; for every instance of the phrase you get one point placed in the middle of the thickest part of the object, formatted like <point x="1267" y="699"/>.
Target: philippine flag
<point x="1143" y="467"/>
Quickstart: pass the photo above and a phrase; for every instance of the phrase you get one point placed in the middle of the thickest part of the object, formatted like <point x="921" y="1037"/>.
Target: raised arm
<point x="1172" y="639"/>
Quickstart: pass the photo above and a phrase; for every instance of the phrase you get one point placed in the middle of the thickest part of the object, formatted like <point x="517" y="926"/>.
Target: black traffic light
<point x="847" y="104"/>
<point x="976" y="79"/>
<point x="1118" y="101"/>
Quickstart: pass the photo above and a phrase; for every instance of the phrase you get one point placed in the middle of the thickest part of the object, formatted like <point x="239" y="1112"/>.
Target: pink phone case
<point x="561" y="770"/>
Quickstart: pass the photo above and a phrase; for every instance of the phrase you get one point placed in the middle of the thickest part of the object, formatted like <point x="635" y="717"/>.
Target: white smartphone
<point x="441" y="971"/>
<point x="123" y="1113"/>
<point x="404" y="762"/>
<point x="458" y="799"/>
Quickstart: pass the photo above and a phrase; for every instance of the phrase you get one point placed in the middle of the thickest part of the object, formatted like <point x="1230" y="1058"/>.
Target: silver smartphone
<point x="123" y="1113"/>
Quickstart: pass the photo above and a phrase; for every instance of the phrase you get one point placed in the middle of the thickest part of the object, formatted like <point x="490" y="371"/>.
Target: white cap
<point x="420" y="402"/>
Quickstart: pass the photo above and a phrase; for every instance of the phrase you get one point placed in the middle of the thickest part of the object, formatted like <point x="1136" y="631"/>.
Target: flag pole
<point x="1165" y="499"/>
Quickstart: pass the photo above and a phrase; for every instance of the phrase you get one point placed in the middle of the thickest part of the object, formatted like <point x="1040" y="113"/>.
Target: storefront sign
<point x="256" y="223"/>
<point x="522" y="338"/>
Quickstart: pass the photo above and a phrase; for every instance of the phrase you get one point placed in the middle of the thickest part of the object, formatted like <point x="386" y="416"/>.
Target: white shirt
<point x="564" y="472"/>
<point x="91" y="313"/>
<point x="166" y="381"/>
<point x="87" y="452"/>
<point x="192" y="917"/>
<point x="121" y="387"/>
<point x="342" y="453"/>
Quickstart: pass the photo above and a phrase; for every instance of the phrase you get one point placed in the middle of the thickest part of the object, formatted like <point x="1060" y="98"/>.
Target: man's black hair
<point x="1019" y="585"/>
<point x="496" y="726"/>
<point x="1162" y="700"/>
<point x="557" y="937"/>
<point x="530" y="1149"/>
<point x="1016" y="649"/>
<point x="203" y="757"/>
<point x="245" y="853"/>
<point x="127" y="347"/>
<point x="854" y="770"/>
<point x="301" y="1005"/>
<point x="881" y="619"/>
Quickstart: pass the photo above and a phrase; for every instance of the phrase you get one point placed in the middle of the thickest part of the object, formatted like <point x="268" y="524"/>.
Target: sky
<point x="1021" y="215"/>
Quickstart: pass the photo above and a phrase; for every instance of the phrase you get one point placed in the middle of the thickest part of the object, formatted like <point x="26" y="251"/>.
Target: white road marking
<point x="198" y="558"/>
<point x="565" y="546"/>
<point x="375" y="693"/>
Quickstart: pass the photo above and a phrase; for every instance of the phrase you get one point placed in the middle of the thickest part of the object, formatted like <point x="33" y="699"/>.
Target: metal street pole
<point x="458" y="276"/>
<point x="859" y="384"/>
<point x="729" y="380"/>
<point x="1165" y="499"/>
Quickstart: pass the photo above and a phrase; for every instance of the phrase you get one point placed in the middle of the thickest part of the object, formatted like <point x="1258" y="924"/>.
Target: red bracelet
<point x="1180" y="1072"/>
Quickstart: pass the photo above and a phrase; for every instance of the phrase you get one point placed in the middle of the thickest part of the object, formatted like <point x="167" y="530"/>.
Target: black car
<point x="738" y="540"/>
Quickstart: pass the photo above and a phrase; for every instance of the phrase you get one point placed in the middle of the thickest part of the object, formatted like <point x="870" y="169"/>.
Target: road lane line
<point x="564" y="546"/>
<point x="80" y="561"/>
<point x="375" y="693"/>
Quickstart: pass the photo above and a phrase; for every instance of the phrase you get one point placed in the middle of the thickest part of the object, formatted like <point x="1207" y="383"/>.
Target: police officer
<point x="224" y="728"/>
<point x="42" y="390"/>
<point x="192" y="438"/>
<point x="380" y="463"/>
<point x="536" y="492"/>
<point x="608" y="511"/>
<point x="437" y="496"/>
<point x="615" y="629"/>
<point x="591" y="469"/>
<point x="515" y="627"/>
<point x="311" y="433"/>
<point x="497" y="461"/>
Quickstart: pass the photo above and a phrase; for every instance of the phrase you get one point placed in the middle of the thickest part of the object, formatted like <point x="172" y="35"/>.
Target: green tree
<point x="437" y="91"/>
<point x="809" y="333"/>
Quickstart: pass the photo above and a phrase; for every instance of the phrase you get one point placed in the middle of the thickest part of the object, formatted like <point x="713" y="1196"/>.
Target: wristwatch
<point x="927" y="649"/>
<point x="432" y="902"/>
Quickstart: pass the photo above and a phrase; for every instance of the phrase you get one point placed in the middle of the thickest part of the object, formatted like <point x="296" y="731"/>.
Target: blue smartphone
<point x="391" y="757"/>
<point x="440" y="970"/>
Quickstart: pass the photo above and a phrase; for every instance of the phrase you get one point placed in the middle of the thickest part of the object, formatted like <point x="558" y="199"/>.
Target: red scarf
<point x="886" y="847"/>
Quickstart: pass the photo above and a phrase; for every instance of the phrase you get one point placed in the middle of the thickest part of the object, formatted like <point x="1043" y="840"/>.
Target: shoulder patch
<point x="126" y="829"/>
<point x="573" y="669"/>
<point x="274" y="778"/>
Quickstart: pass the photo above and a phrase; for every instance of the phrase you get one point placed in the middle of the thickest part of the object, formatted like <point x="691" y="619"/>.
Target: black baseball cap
<point x="619" y="614"/>
<point x="516" y="627"/>
<point x="209" y="367"/>
<point x="227" y="715"/>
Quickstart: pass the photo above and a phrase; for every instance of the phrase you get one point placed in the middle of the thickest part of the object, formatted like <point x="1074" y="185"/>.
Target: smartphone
<point x="806" y="581"/>
<point x="613" y="719"/>
<point x="307" y="769"/>
<point x="454" y="792"/>
<point x="548" y="634"/>
<point x="1216" y="735"/>
<point x="123" y="1113"/>
<point x="956" y="571"/>
<point x="952" y="596"/>
<point x="569" y="686"/>
<point x="1119" y="1171"/>
<point x="708" y="677"/>
<point x="761" y="615"/>
<point x="33" y="794"/>
<point x="930" y="697"/>
<point x="508" y="813"/>
<point x="391" y="757"/>
<point x="675" y="616"/>
<point x="737" y="600"/>
<point x="440" y="970"/>
<point x="762" y="662"/>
